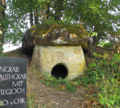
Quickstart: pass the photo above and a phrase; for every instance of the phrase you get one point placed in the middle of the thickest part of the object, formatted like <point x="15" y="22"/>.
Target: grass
<point x="31" y="102"/>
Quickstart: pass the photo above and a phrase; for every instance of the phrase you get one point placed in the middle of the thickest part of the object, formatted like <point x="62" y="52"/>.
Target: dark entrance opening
<point x="59" y="70"/>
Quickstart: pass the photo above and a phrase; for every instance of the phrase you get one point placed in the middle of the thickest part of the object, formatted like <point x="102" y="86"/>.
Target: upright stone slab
<point x="13" y="82"/>
<point x="60" y="61"/>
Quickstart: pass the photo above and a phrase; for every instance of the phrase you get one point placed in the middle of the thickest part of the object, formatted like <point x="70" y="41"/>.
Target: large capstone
<point x="57" y="49"/>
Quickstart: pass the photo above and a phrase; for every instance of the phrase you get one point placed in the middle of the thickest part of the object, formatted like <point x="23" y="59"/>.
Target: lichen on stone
<point x="56" y="34"/>
<point x="46" y="28"/>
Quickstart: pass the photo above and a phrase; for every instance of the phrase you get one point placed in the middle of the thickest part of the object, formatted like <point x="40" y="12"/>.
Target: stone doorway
<point x="59" y="70"/>
<point x="55" y="59"/>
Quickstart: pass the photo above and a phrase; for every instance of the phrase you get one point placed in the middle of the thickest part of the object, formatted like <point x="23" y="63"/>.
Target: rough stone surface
<point x="56" y="37"/>
<point x="57" y="44"/>
<point x="46" y="57"/>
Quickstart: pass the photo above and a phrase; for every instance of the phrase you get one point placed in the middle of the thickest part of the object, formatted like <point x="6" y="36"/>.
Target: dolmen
<point x="57" y="49"/>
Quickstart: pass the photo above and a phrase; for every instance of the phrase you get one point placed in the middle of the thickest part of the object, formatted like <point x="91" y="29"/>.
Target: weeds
<point x="30" y="101"/>
<point x="30" y="98"/>
<point x="1" y="104"/>
<point x="107" y="80"/>
<point x="62" y="84"/>
<point x="2" y="55"/>
<point x="103" y="74"/>
<point x="109" y="95"/>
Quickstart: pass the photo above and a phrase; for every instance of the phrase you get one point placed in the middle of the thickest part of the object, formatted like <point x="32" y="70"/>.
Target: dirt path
<point x="47" y="96"/>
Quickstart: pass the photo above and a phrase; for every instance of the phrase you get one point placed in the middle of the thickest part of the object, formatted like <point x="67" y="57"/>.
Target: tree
<point x="2" y="24"/>
<point x="17" y="14"/>
<point x="33" y="10"/>
<point x="94" y="14"/>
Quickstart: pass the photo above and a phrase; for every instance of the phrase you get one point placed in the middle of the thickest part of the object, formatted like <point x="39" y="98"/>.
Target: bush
<point x="104" y="74"/>
<point x="105" y="44"/>
<point x="108" y="80"/>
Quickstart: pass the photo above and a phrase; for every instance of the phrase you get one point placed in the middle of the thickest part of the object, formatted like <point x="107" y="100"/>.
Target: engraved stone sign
<point x="13" y="82"/>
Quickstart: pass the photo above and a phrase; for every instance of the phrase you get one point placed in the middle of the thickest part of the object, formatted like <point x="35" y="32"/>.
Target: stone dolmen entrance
<point x="57" y="49"/>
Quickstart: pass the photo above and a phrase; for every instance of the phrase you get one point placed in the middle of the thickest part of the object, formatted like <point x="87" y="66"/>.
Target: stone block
<point x="60" y="61"/>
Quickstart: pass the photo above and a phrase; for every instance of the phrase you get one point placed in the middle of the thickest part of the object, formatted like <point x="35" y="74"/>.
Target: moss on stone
<point x="47" y="27"/>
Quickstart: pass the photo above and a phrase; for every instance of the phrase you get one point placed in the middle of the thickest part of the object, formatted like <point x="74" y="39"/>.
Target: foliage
<point x="30" y="101"/>
<point x="103" y="74"/>
<point x="95" y="15"/>
<point x="108" y="81"/>
<point x="30" y="98"/>
<point x="16" y="23"/>
<point x="2" y="23"/>
<point x="1" y="104"/>
<point x="109" y="92"/>
<point x="2" y="55"/>
<point x="105" y="44"/>
<point x="61" y="84"/>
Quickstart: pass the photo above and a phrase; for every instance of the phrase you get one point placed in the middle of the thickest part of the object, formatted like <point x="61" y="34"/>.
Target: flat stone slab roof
<point x="56" y="36"/>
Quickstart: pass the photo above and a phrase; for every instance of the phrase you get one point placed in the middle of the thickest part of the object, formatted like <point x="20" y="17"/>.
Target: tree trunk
<point x="36" y="17"/>
<point x="58" y="8"/>
<point x="47" y="11"/>
<point x="31" y="12"/>
<point x="31" y="18"/>
<point x="2" y="16"/>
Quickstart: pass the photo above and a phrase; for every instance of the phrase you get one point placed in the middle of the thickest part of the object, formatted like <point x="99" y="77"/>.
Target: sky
<point x="10" y="47"/>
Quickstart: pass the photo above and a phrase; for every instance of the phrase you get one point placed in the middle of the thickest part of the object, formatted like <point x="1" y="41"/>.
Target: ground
<point x="47" y="96"/>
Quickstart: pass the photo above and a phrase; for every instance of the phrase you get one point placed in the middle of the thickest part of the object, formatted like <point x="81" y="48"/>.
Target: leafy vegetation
<point x="30" y="101"/>
<point x="2" y="55"/>
<point x="107" y="73"/>
<point x="103" y="75"/>
<point x="97" y="16"/>
<point x="106" y="44"/>
<point x="1" y="104"/>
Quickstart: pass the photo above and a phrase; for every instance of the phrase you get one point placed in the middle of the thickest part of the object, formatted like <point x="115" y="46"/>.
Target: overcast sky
<point x="10" y="47"/>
